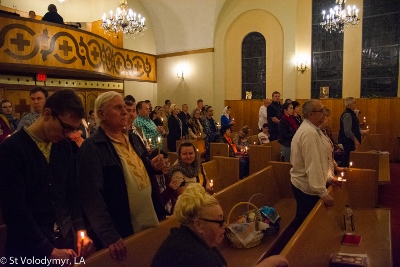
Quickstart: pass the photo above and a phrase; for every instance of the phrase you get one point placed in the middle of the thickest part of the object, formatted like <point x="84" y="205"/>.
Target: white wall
<point x="141" y="91"/>
<point x="198" y="82"/>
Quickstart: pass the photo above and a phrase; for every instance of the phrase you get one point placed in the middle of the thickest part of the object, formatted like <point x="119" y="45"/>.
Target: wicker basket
<point x="235" y="242"/>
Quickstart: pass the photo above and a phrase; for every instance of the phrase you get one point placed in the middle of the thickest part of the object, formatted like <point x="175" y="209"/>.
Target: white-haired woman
<point x="226" y="118"/>
<point x="202" y="228"/>
<point x="113" y="173"/>
<point x="175" y="128"/>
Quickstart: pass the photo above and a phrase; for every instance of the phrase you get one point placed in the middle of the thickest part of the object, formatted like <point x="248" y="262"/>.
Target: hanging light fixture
<point x="124" y="20"/>
<point x="338" y="18"/>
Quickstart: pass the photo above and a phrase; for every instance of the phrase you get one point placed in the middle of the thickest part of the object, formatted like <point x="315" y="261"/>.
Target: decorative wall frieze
<point x="39" y="44"/>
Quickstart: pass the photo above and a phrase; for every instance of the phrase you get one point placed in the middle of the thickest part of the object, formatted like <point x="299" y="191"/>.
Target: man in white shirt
<point x="262" y="114"/>
<point x="310" y="171"/>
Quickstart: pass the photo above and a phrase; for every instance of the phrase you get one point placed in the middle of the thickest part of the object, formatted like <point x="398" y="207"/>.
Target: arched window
<point x="253" y="66"/>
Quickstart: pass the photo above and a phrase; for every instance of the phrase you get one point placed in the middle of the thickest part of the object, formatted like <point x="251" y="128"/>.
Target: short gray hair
<point x="348" y="101"/>
<point x="308" y="107"/>
<point x="103" y="100"/>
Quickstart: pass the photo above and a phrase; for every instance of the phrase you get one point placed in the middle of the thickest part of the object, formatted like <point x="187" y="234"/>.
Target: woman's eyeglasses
<point x="220" y="222"/>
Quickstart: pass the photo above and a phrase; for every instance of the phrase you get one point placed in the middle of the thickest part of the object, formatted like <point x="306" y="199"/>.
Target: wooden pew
<point x="259" y="157"/>
<point x="141" y="247"/>
<point x="371" y="142"/>
<point x="275" y="150"/>
<point x="224" y="171"/>
<point x="253" y="140"/>
<point x="322" y="231"/>
<point x="219" y="149"/>
<point x="266" y="183"/>
<point x="375" y="161"/>
<point x="362" y="188"/>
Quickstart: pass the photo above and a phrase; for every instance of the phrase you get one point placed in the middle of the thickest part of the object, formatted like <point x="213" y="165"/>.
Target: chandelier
<point x="338" y="18"/>
<point x="124" y="21"/>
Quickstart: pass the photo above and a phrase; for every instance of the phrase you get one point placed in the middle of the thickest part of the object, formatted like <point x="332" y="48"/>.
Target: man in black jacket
<point x="38" y="186"/>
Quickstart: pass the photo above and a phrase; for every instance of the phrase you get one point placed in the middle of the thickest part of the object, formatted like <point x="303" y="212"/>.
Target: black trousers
<point x="347" y="148"/>
<point x="304" y="204"/>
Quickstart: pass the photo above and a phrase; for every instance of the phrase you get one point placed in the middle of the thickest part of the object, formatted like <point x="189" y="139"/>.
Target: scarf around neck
<point x="291" y="121"/>
<point x="189" y="170"/>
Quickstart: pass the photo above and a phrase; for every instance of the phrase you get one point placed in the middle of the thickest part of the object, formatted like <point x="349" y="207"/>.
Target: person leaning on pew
<point x="311" y="154"/>
<point x="38" y="185"/>
<point x="202" y="229"/>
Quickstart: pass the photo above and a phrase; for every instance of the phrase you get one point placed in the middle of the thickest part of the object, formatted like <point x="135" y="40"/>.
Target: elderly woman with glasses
<point x="202" y="228"/>
<point x="116" y="178"/>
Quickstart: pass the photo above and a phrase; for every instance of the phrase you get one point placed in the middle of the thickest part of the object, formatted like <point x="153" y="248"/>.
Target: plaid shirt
<point x="149" y="129"/>
<point x="28" y="120"/>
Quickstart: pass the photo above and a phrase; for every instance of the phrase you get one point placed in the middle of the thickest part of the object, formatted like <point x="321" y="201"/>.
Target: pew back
<point x="372" y="160"/>
<point x="219" y="149"/>
<point x="371" y="142"/>
<point x="275" y="150"/>
<point x="224" y="171"/>
<point x="259" y="157"/>
<point x="141" y="247"/>
<point x="282" y="177"/>
<point x="253" y="140"/>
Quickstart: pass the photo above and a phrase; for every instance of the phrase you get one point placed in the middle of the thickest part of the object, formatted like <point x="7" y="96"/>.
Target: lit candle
<point x="162" y="119"/>
<point x="246" y="149"/>
<point x="365" y="119"/>
<point x="197" y="150"/>
<point x="150" y="140"/>
<point x="254" y="142"/>
<point x="211" y="183"/>
<point x="351" y="164"/>
<point x="83" y="239"/>
<point x="342" y="173"/>
<point x="367" y="127"/>
<point x="159" y="145"/>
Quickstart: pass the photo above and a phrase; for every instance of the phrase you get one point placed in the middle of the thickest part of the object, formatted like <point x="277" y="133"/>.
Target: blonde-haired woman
<point x="202" y="229"/>
<point x="175" y="128"/>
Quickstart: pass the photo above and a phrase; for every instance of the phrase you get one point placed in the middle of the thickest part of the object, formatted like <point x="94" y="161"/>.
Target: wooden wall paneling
<point x="20" y="100"/>
<point x="82" y="96"/>
<point x="91" y="97"/>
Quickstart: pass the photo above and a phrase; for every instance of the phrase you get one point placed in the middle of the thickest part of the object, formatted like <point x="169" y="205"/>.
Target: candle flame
<point x="83" y="235"/>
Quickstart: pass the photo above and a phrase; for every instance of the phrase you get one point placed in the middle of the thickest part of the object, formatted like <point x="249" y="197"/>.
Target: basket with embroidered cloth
<point x="250" y="227"/>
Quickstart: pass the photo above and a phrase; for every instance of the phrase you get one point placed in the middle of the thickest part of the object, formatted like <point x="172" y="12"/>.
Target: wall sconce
<point x="302" y="67"/>
<point x="180" y="77"/>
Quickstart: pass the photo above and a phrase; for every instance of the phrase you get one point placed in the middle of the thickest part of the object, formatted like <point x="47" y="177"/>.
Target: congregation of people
<point x="71" y="183"/>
